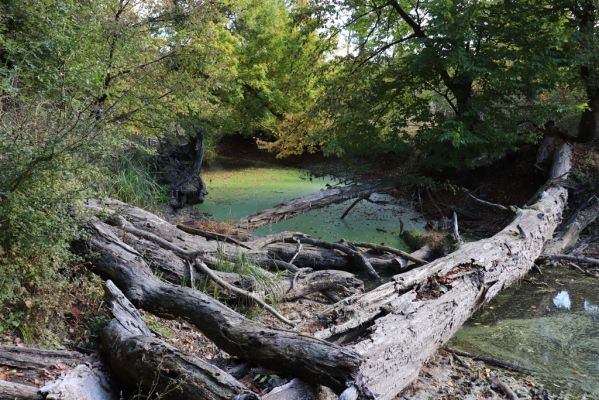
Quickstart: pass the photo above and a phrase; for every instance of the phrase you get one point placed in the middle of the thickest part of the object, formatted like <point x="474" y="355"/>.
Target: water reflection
<point x="562" y="300"/>
<point x="240" y="190"/>
<point x="552" y="330"/>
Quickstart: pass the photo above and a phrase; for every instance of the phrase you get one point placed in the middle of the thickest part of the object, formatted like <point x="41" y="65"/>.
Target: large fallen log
<point x="266" y="251"/>
<point x="399" y="325"/>
<point x="289" y="352"/>
<point x="177" y="269"/>
<point x="302" y="205"/>
<point x="142" y="361"/>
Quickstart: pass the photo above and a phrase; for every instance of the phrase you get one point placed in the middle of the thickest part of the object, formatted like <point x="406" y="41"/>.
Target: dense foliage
<point x="84" y="85"/>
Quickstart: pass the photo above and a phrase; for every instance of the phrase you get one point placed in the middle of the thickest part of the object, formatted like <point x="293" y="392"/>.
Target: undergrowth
<point x="134" y="179"/>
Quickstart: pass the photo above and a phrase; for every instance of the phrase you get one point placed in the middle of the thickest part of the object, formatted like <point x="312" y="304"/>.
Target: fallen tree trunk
<point x="312" y="359"/>
<point x="266" y="251"/>
<point x="567" y="238"/>
<point x="17" y="391"/>
<point x="302" y="283"/>
<point x="302" y="205"/>
<point x="30" y="358"/>
<point x="142" y="361"/>
<point x="399" y="325"/>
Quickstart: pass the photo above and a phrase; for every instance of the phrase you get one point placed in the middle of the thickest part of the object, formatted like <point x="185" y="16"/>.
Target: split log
<point x="567" y="238"/>
<point x="17" y="391"/>
<point x="399" y="325"/>
<point x="302" y="205"/>
<point x="289" y="352"/>
<point x="140" y="360"/>
<point x="175" y="269"/>
<point x="30" y="358"/>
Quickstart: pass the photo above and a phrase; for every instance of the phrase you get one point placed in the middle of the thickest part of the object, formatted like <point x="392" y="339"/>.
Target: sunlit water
<point x="237" y="191"/>
<point x="554" y="331"/>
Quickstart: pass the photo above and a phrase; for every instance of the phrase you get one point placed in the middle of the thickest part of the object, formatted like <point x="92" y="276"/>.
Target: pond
<point x="550" y="327"/>
<point x="238" y="190"/>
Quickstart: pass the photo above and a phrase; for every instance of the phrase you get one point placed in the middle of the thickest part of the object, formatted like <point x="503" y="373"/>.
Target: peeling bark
<point x="306" y="357"/>
<point x="399" y="325"/>
<point x="140" y="360"/>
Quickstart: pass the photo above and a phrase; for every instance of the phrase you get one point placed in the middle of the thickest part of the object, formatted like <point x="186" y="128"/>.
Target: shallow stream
<point x="550" y="327"/>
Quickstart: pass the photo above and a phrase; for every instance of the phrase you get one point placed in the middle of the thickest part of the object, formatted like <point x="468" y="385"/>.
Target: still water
<point x="553" y="330"/>
<point x="238" y="191"/>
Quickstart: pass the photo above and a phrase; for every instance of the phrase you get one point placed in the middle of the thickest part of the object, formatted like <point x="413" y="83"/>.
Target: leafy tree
<point x="455" y="78"/>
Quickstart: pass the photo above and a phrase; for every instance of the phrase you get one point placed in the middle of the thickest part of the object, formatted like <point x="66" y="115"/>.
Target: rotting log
<point x="142" y="361"/>
<point x="18" y="391"/>
<point x="31" y="358"/>
<point x="286" y="351"/>
<point x="566" y="238"/>
<point x="176" y="270"/>
<point x="399" y="325"/>
<point x="302" y="205"/>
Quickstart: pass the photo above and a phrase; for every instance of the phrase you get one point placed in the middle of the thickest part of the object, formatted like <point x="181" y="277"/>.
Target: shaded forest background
<point x="88" y="87"/>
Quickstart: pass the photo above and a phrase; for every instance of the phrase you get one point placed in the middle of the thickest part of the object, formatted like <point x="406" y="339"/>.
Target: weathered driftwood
<point x="302" y="205"/>
<point x="566" y="238"/>
<point x="142" y="361"/>
<point x="399" y="325"/>
<point x="84" y="382"/>
<point x="267" y="252"/>
<point x="30" y="358"/>
<point x="302" y="283"/>
<point x="17" y="391"/>
<point x="306" y="357"/>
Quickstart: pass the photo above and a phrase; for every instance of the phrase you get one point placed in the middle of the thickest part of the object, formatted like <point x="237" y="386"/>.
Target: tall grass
<point x="136" y="181"/>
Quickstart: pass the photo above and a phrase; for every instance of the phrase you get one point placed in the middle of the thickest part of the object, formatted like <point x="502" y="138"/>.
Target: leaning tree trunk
<point x="396" y="327"/>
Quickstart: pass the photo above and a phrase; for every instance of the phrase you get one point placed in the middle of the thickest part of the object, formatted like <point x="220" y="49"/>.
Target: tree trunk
<point x="176" y="269"/>
<point x="567" y="238"/>
<point x="399" y="325"/>
<point x="313" y="359"/>
<point x="17" y="391"/>
<point x="142" y="361"/>
<point x="29" y="358"/>
<point x="302" y="205"/>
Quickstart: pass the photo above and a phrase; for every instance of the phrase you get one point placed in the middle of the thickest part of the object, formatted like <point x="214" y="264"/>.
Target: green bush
<point x="45" y="156"/>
